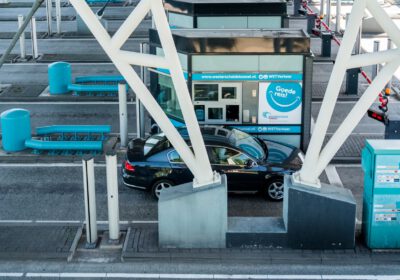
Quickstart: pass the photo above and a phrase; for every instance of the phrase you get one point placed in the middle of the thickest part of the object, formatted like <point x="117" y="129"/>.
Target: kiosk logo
<point x="280" y="103"/>
<point x="284" y="97"/>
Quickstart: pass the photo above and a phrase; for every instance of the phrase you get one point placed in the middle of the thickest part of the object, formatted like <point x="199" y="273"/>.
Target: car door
<point x="180" y="172"/>
<point x="233" y="163"/>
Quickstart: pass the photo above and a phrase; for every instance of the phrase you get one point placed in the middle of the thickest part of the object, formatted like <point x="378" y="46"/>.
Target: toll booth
<point x="227" y="14"/>
<point x="256" y="80"/>
<point x="381" y="206"/>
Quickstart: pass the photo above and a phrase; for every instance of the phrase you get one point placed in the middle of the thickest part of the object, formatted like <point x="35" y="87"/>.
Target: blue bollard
<point x="59" y="77"/>
<point x="16" y="128"/>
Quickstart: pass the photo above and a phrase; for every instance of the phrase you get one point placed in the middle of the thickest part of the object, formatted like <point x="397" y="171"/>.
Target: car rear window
<point x="155" y="143"/>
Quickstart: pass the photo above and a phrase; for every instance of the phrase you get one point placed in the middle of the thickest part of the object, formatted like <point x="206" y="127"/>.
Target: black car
<point x="250" y="164"/>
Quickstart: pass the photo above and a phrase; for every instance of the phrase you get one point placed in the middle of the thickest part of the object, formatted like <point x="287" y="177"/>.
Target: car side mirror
<point x="249" y="164"/>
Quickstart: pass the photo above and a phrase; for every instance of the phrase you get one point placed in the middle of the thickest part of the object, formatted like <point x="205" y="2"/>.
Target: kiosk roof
<point x="238" y="41"/>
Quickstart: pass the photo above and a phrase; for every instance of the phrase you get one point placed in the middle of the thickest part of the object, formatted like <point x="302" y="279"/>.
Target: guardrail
<point x="73" y="129"/>
<point x="64" y="145"/>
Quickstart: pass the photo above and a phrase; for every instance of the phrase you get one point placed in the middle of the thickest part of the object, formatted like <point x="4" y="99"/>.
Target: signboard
<point x="280" y="103"/>
<point x="246" y="76"/>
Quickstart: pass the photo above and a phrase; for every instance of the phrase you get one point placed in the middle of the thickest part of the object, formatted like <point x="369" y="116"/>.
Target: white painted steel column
<point x="90" y="202"/>
<point x="35" y="50"/>
<point x="355" y="115"/>
<point x="322" y="8"/>
<point x="185" y="103"/>
<point x="123" y="114"/>
<point x="22" y="37"/>
<point x="112" y="196"/>
<point x="307" y="173"/>
<point x="49" y="7"/>
<point x="139" y="105"/>
<point x="375" y="67"/>
<point x="197" y="162"/>
<point x="328" y="12"/>
<point x="338" y="15"/>
<point x="58" y="16"/>
<point x="388" y="87"/>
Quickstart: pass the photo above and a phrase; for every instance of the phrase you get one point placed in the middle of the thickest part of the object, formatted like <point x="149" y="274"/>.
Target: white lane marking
<point x="196" y="276"/>
<point x="333" y="176"/>
<point x="344" y="165"/>
<point x="66" y="103"/>
<point x="11" y="274"/>
<point x="49" y="164"/>
<point x="70" y="222"/>
<point x="57" y="221"/>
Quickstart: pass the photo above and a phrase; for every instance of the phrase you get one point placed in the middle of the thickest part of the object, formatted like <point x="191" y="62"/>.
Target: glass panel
<point x="232" y="113"/>
<point x="205" y="92"/>
<point x="174" y="157"/>
<point x="240" y="159"/>
<point x="167" y="98"/>
<point x="228" y="63"/>
<point x="265" y="22"/>
<point x="222" y="22"/>
<point x="178" y="20"/>
<point x="229" y="93"/>
<point x="290" y="63"/>
<point x="200" y="112"/>
<point x="215" y="114"/>
<point x="183" y="58"/>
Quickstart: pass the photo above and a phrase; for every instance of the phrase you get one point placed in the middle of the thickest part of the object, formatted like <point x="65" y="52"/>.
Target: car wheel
<point x="274" y="189"/>
<point x="159" y="186"/>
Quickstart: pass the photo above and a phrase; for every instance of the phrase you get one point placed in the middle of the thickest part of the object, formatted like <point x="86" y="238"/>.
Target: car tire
<point x="158" y="186"/>
<point x="274" y="189"/>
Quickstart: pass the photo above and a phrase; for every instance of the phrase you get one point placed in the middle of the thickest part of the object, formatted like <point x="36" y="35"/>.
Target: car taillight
<point x="129" y="166"/>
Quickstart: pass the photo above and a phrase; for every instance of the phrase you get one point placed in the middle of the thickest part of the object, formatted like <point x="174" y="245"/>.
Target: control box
<point x="381" y="204"/>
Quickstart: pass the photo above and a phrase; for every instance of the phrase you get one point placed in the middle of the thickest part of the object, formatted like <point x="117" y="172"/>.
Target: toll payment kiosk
<point x="256" y="80"/>
<point x="381" y="206"/>
<point x="227" y="14"/>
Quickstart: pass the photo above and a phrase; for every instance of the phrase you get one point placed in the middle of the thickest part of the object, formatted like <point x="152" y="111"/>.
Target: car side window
<point x="226" y="156"/>
<point x="174" y="157"/>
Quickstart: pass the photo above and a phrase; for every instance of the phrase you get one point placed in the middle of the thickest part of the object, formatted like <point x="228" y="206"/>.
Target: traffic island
<point x="193" y="217"/>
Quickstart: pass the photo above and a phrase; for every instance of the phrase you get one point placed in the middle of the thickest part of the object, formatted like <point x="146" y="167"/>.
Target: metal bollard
<point x="326" y="43"/>
<point x="58" y="16"/>
<point x="22" y="37"/>
<point x="140" y="116"/>
<point x="375" y="68"/>
<point x="338" y="15"/>
<point x="352" y="81"/>
<point x="388" y="87"/>
<point x="35" y="51"/>
<point x="112" y="197"/>
<point x="90" y="202"/>
<point x="328" y="13"/>
<point x="322" y="8"/>
<point x="123" y="114"/>
<point x="49" y="7"/>
<point x="310" y="23"/>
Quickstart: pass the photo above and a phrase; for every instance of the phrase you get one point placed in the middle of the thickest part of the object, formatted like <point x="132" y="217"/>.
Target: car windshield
<point x="152" y="142"/>
<point x="247" y="143"/>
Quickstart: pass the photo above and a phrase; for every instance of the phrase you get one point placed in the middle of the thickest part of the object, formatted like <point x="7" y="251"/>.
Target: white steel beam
<point x="332" y="92"/>
<point x="315" y="160"/>
<point x="197" y="161"/>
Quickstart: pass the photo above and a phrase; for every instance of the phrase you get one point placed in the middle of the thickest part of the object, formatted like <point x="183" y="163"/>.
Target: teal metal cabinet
<point x="381" y="206"/>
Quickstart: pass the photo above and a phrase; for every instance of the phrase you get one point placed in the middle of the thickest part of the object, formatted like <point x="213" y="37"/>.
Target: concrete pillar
<point x="338" y="15"/>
